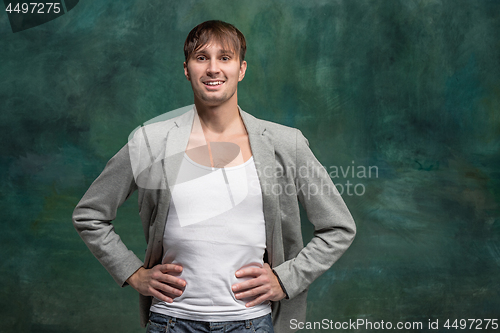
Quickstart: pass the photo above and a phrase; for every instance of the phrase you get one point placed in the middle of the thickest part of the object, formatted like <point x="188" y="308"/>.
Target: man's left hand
<point x="264" y="284"/>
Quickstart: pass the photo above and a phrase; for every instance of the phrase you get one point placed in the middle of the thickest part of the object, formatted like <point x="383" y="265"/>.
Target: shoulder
<point x="279" y="129"/>
<point x="276" y="132"/>
<point x="157" y="127"/>
<point x="150" y="138"/>
<point x="156" y="130"/>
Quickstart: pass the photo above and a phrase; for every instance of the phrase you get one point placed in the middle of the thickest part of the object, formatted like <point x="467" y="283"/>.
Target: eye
<point x="225" y="58"/>
<point x="201" y="58"/>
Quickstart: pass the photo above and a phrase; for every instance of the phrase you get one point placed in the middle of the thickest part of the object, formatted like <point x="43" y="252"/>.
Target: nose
<point x="213" y="67"/>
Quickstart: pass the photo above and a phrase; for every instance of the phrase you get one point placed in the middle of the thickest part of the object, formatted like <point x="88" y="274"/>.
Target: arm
<point x="92" y="219"/>
<point x="334" y="232"/>
<point x="334" y="227"/>
<point x="93" y="215"/>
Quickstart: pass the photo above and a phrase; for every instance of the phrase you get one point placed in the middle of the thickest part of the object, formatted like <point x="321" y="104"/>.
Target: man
<point x="219" y="194"/>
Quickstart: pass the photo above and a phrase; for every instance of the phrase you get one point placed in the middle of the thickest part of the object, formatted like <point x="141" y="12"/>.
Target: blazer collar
<point x="251" y="123"/>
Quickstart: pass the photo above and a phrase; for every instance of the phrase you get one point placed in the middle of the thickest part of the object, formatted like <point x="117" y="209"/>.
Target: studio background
<point x="411" y="87"/>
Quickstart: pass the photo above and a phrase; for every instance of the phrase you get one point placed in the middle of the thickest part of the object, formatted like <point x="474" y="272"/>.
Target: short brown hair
<point x="224" y="33"/>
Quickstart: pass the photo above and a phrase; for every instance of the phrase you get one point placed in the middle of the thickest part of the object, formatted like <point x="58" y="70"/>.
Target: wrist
<point x="285" y="294"/>
<point x="132" y="280"/>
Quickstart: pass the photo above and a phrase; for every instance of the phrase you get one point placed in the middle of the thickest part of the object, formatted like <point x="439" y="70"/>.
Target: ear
<point x="243" y="69"/>
<point x="186" y="72"/>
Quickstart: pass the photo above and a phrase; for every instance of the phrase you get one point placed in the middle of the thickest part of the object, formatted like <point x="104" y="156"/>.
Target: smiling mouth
<point x="213" y="83"/>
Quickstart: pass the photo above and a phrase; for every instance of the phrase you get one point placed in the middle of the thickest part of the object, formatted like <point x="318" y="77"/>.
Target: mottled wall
<point x="409" y="87"/>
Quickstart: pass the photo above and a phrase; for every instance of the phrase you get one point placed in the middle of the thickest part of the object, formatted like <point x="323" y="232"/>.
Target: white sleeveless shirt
<point x="215" y="226"/>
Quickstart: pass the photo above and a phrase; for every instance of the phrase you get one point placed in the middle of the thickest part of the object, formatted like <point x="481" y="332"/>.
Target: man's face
<point x="214" y="73"/>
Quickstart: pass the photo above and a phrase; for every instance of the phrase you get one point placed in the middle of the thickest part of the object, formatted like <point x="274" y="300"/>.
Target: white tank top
<point x="215" y="226"/>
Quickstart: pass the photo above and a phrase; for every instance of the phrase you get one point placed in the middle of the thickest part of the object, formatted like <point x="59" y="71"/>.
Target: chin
<point x="214" y="101"/>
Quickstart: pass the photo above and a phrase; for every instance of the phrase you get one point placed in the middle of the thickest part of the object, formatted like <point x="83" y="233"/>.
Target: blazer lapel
<point x="263" y="154"/>
<point x="177" y="141"/>
<point x="175" y="145"/>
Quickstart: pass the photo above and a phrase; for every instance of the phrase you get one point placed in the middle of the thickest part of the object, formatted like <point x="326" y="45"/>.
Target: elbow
<point x="76" y="219"/>
<point x="350" y="231"/>
<point x="80" y="219"/>
<point x="353" y="230"/>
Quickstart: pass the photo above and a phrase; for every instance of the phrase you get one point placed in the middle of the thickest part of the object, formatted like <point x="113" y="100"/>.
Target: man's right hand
<point x="157" y="282"/>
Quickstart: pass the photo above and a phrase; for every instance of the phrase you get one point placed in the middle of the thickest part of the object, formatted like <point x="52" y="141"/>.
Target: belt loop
<point x="248" y="322"/>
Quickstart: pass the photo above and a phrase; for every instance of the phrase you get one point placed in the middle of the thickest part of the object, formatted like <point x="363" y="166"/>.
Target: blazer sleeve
<point x="334" y="227"/>
<point x="94" y="213"/>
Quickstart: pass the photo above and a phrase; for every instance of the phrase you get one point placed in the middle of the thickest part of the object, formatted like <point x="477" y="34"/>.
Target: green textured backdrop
<point x="411" y="87"/>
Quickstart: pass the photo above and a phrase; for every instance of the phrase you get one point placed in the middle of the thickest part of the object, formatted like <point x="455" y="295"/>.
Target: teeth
<point x="216" y="83"/>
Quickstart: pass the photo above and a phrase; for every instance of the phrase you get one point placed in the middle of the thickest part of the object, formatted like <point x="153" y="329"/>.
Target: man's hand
<point x="264" y="284"/>
<point x="157" y="282"/>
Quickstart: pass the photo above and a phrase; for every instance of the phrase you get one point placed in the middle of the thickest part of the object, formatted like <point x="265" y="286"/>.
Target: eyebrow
<point x="202" y="50"/>
<point x="226" y="52"/>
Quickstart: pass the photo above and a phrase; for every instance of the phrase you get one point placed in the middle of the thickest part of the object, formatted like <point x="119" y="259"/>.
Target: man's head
<point x="222" y="33"/>
<point x="214" y="65"/>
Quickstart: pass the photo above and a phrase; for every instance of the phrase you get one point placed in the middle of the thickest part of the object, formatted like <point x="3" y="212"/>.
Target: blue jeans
<point x="159" y="323"/>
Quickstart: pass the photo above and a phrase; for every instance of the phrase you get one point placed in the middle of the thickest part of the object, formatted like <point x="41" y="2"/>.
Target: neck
<point x="220" y="119"/>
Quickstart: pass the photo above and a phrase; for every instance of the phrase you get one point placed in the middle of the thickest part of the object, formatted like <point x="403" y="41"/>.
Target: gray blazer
<point x="288" y="173"/>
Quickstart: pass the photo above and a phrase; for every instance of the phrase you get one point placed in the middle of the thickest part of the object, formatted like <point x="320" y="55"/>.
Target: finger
<point x="168" y="294"/>
<point x="249" y="284"/>
<point x="258" y="300"/>
<point x="158" y="275"/>
<point x="172" y="280"/>
<point x="250" y="271"/>
<point x="165" y="268"/>
<point x="252" y="292"/>
<point x="162" y="297"/>
<point x="166" y="289"/>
